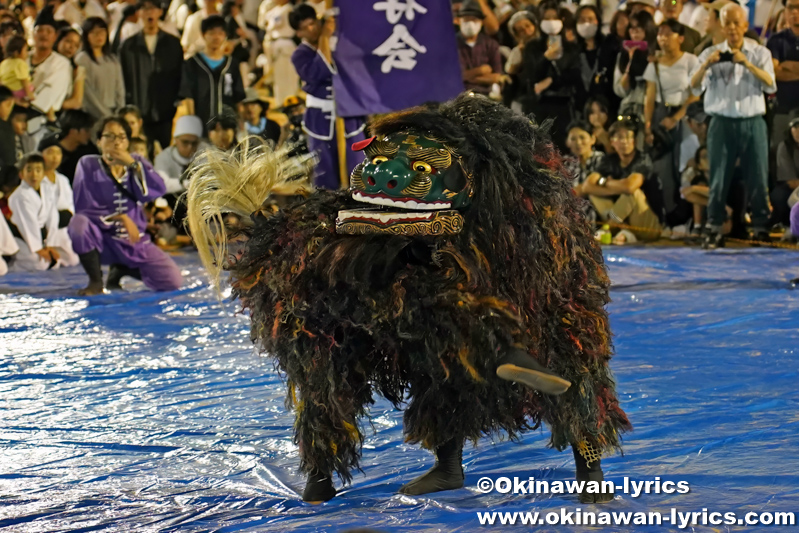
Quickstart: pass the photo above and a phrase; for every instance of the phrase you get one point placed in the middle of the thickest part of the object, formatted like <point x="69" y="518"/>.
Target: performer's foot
<point x="521" y="367"/>
<point x="593" y="496"/>
<point x="588" y="472"/>
<point x="115" y="275"/>
<point x="90" y="261"/>
<point x="319" y="488"/>
<point x="91" y="289"/>
<point x="447" y="474"/>
<point x="112" y="282"/>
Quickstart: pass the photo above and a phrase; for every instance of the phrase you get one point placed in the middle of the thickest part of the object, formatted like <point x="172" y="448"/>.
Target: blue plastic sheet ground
<point x="149" y="412"/>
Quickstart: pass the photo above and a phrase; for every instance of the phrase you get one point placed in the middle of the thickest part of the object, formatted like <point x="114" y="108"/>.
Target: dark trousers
<point x="729" y="139"/>
<point x="668" y="165"/>
<point x="159" y="131"/>
<point x="779" y="202"/>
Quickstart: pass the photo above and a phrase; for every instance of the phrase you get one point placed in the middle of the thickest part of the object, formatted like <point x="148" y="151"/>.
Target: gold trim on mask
<point x="438" y="158"/>
<point x="386" y="148"/>
<point x="356" y="178"/>
<point x="443" y="223"/>
<point x="419" y="187"/>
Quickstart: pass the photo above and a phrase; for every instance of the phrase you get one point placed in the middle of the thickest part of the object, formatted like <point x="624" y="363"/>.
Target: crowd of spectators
<point x="679" y="118"/>
<point x="129" y="92"/>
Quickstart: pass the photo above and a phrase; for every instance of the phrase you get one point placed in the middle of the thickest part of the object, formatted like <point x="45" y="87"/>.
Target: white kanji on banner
<point x="395" y="9"/>
<point x="399" y="50"/>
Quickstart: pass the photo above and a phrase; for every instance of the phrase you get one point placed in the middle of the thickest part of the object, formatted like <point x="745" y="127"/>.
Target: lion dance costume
<point x="457" y="275"/>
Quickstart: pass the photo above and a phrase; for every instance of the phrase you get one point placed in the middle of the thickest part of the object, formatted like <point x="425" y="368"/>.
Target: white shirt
<point x="72" y="13"/>
<point x="731" y="90"/>
<point x="115" y="10"/>
<point x="52" y="82"/>
<point x="128" y="30"/>
<point x="265" y="7"/>
<point x="277" y="20"/>
<point x="32" y="211"/>
<point x="8" y="246"/>
<point x="675" y="79"/>
<point x="192" y="40"/>
<point x="698" y="20"/>
<point x="62" y="191"/>
<point x="170" y="166"/>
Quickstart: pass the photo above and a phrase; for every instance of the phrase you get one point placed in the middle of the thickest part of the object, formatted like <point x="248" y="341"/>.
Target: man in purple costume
<point x="109" y="223"/>
<point x="313" y="61"/>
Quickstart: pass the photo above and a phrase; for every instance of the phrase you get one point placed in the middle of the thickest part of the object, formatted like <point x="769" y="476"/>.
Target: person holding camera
<point x="734" y="75"/>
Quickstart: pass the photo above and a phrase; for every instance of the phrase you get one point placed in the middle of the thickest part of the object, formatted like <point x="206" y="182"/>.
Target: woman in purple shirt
<point x="109" y="223"/>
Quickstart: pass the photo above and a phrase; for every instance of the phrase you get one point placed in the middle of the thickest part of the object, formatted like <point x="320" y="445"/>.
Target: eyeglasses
<point x="113" y="138"/>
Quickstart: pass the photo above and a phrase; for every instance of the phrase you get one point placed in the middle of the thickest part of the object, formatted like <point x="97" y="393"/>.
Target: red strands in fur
<point x="276" y="323"/>
<point x="528" y="204"/>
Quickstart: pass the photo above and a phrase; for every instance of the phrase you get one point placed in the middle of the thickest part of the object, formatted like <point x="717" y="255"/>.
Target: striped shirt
<point x="731" y="90"/>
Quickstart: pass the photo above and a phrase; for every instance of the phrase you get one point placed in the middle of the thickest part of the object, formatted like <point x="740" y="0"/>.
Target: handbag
<point x="663" y="142"/>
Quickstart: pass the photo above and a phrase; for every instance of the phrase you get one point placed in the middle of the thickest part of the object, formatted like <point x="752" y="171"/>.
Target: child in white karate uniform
<point x="8" y="246"/>
<point x="34" y="221"/>
<point x="56" y="183"/>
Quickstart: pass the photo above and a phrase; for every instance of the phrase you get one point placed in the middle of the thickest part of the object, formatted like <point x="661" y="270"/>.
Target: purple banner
<point x="394" y="54"/>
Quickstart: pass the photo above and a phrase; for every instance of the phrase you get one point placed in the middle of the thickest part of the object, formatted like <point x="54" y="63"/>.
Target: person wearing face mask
<point x="597" y="58"/>
<point x="552" y="72"/>
<point x="523" y="26"/>
<point x="628" y="77"/>
<point x="481" y="62"/>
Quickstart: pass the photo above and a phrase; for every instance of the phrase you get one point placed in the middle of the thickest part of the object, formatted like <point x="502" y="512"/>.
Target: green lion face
<point x="418" y="177"/>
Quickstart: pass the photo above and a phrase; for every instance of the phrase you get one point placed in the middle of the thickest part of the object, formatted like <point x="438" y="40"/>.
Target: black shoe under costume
<point x="447" y="474"/>
<point x="480" y="322"/>
<point x="589" y="469"/>
<point x="319" y="488"/>
<point x="115" y="274"/>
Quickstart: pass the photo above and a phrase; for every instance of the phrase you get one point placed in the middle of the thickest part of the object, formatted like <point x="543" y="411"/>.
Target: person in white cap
<point x="173" y="162"/>
<point x="634" y="6"/>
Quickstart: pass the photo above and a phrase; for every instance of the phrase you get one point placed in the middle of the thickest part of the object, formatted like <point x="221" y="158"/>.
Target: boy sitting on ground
<point x="34" y="221"/>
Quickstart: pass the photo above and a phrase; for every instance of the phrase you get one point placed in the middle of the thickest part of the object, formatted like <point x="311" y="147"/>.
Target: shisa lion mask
<point x="416" y="184"/>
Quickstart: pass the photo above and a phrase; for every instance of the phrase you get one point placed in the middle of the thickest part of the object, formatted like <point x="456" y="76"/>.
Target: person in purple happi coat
<point x="109" y="223"/>
<point x="313" y="61"/>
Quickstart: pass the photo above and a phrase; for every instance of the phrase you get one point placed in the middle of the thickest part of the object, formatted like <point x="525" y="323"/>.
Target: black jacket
<point x="152" y="82"/>
<point x="8" y="152"/>
<point x="211" y="89"/>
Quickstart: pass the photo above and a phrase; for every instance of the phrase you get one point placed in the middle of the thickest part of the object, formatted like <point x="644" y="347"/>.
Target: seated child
<point x="55" y="181"/>
<point x="139" y="146"/>
<point x="24" y="143"/>
<point x="8" y="246"/>
<point x="14" y="70"/>
<point x="695" y="187"/>
<point x="34" y="221"/>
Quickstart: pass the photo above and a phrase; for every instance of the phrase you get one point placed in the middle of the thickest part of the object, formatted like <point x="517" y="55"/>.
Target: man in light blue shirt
<point x="734" y="75"/>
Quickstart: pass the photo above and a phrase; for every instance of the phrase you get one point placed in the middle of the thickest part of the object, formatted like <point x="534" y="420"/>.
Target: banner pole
<point x="764" y="29"/>
<point x="341" y="139"/>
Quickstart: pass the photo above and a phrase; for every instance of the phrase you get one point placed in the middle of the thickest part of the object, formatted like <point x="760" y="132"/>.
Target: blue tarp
<point x="139" y="411"/>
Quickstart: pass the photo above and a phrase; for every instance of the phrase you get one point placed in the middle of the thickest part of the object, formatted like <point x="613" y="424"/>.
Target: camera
<point x="725" y="57"/>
